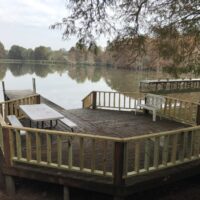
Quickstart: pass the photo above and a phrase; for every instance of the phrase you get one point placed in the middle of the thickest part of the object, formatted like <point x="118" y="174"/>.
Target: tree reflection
<point x="119" y="80"/>
<point x="3" y="70"/>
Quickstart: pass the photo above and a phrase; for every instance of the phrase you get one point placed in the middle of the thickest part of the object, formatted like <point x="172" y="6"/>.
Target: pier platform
<point x="170" y="85"/>
<point x="113" y="151"/>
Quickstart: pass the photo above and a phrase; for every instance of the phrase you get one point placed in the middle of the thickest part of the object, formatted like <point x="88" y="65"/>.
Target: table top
<point x="40" y="112"/>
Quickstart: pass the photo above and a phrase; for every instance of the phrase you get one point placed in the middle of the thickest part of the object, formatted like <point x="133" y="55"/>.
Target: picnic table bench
<point x="12" y="119"/>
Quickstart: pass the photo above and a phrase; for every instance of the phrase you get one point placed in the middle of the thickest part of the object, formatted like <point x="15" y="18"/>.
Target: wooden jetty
<point x="17" y="94"/>
<point x="170" y="85"/>
<point x="110" y="152"/>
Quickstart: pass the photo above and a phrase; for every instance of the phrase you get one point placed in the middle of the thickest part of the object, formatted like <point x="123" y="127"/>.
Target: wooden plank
<point x="59" y="150"/>
<point x="156" y="152"/>
<point x="28" y="147"/>
<point x="165" y="150"/>
<point x="174" y="148"/>
<point x="81" y="153"/>
<point x="18" y="144"/>
<point x="93" y="155"/>
<point x="146" y="155"/>
<point x="38" y="147"/>
<point x="70" y="153"/>
<point x="49" y="149"/>
<point x="105" y="148"/>
<point x="137" y="157"/>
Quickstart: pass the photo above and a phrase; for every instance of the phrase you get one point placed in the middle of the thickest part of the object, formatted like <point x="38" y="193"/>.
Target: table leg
<point x="51" y="123"/>
<point x="42" y="124"/>
<point x="30" y="123"/>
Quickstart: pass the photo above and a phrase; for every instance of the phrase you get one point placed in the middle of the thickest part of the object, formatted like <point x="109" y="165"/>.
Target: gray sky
<point x="26" y="23"/>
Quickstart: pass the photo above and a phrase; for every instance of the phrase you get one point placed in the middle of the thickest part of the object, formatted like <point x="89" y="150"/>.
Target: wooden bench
<point x="12" y="119"/>
<point x="153" y="102"/>
<point x="69" y="123"/>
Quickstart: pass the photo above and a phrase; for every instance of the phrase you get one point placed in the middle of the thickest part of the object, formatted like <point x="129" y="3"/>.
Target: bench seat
<point x="153" y="102"/>
<point x="69" y="123"/>
<point x="12" y="119"/>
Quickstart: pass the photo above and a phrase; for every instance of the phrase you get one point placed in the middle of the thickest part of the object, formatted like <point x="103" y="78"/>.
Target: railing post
<point x="198" y="115"/>
<point x="6" y="141"/>
<point x="38" y="99"/>
<point x="4" y="91"/>
<point x="145" y="110"/>
<point x="34" y="85"/>
<point x="94" y="100"/>
<point x="119" y="163"/>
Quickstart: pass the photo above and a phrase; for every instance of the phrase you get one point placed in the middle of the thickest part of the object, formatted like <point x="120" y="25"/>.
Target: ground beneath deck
<point x="31" y="190"/>
<point x="115" y="123"/>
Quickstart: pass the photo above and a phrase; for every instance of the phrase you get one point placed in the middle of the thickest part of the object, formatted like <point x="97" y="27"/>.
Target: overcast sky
<point x="26" y="23"/>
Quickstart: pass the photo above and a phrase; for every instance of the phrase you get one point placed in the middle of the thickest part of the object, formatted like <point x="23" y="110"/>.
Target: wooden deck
<point x="113" y="151"/>
<point x="115" y="123"/>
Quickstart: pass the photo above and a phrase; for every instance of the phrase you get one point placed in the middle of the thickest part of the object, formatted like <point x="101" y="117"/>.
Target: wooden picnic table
<point x="41" y="113"/>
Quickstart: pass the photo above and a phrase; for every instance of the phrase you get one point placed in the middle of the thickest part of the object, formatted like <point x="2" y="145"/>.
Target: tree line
<point x="39" y="53"/>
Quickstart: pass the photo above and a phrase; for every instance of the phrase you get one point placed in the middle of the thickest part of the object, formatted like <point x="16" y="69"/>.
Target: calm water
<point x="67" y="85"/>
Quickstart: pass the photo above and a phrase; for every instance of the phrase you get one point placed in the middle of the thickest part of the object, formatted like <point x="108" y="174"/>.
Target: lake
<point x="68" y="85"/>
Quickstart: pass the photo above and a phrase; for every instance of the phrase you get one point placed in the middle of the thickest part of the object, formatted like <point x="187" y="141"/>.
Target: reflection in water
<point x="118" y="80"/>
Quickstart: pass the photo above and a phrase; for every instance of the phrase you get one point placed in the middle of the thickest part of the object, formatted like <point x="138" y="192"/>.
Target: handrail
<point x="17" y="99"/>
<point x="64" y="133"/>
<point x="172" y="108"/>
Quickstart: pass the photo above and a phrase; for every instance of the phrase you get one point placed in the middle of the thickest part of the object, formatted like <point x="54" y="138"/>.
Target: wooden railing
<point x="88" y="101"/>
<point x="115" y="100"/>
<point x="175" y="109"/>
<point x="153" y="152"/>
<point x="110" y="157"/>
<point x="11" y="107"/>
<point x="179" y="110"/>
<point x="117" y="158"/>
<point x="63" y="150"/>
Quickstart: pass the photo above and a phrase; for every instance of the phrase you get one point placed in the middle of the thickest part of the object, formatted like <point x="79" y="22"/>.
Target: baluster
<point x="137" y="157"/>
<point x="81" y="153"/>
<point x="146" y="156"/>
<point x="165" y="150"/>
<point x="11" y="108"/>
<point x="185" y="145"/>
<point x="119" y="101"/>
<point x="156" y="152"/>
<point x="104" y="99"/>
<point x="28" y="146"/>
<point x="12" y="144"/>
<point x="99" y="96"/>
<point x="93" y="155"/>
<point x="169" y="108"/>
<point x="196" y="143"/>
<point x="175" y="105"/>
<point x="109" y="100"/>
<point x="38" y="147"/>
<point x="191" y="144"/>
<point x="18" y="143"/>
<point x="180" y="110"/>
<point x="48" y="138"/>
<point x="129" y="102"/>
<point x="69" y="151"/>
<point x="104" y="157"/>
<point x="59" y="150"/>
<point x="114" y="100"/>
<point x="174" y="148"/>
